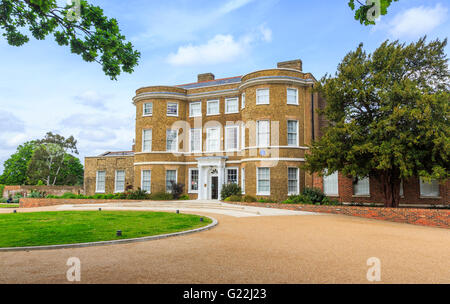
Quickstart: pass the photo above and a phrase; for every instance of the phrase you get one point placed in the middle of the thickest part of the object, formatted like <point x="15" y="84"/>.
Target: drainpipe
<point x="312" y="113"/>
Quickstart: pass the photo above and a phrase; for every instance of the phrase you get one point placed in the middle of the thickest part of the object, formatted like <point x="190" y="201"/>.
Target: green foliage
<point x="314" y="195"/>
<point x="233" y="198"/>
<point x="161" y="196"/>
<point x="138" y="194"/>
<point x="69" y="195"/>
<point x="229" y="190"/>
<point x="2" y="188"/>
<point x="90" y="34"/>
<point x="36" y="194"/>
<point x="40" y="183"/>
<point x="184" y="197"/>
<point x="248" y="199"/>
<point x="15" y="168"/>
<point x="98" y="196"/>
<point x="366" y="13"/>
<point x="266" y="201"/>
<point x="177" y="189"/>
<point x="3" y="200"/>
<point x="388" y="116"/>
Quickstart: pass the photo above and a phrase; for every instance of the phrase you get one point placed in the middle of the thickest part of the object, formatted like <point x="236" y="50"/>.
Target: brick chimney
<point x="205" y="77"/>
<point x="292" y="64"/>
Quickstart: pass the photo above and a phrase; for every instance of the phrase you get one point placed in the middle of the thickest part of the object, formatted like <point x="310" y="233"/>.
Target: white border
<point x="176" y="141"/>
<point x="190" y="140"/>
<point x="227" y="149"/>
<point x="287" y="130"/>
<point x="262" y="89"/>
<point x="151" y="140"/>
<point x="207" y="107"/>
<point x="296" y="95"/>
<point x="195" y="102"/>
<point x="142" y="179"/>
<point x="257" y="183"/>
<point x="96" y="182"/>
<point x="167" y="108"/>
<point x="143" y="109"/>
<point x="298" y="181"/>
<point x="227" y="100"/>
<point x="165" y="179"/>
<point x="124" y="181"/>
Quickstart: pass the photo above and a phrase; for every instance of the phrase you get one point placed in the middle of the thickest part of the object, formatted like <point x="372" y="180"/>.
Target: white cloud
<point x="417" y="21"/>
<point x="93" y="99"/>
<point x="220" y="49"/>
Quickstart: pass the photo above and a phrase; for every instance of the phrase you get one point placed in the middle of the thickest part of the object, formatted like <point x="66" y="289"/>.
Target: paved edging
<point x="113" y="242"/>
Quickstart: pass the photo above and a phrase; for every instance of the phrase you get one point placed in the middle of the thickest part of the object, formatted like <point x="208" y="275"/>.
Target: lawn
<point x="68" y="227"/>
<point x="9" y="205"/>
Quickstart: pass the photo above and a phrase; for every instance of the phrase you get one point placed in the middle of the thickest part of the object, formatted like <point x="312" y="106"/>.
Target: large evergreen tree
<point x="388" y="116"/>
<point x="15" y="167"/>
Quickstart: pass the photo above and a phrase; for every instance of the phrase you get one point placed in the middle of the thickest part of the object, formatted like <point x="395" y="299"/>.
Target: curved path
<point x="256" y="248"/>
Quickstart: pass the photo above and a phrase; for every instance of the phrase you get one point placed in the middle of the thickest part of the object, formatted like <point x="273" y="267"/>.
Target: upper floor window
<point x="146" y="140"/>
<point x="120" y="181"/>
<point x="231" y="138"/>
<point x="148" y="109"/>
<point x="172" y="140"/>
<point x="100" y="182"/>
<point x="146" y="178"/>
<point x="262" y="96"/>
<point x="212" y="107"/>
<point x="172" y="109"/>
<point x="263" y="133"/>
<point x="243" y="100"/>
<point x="212" y="139"/>
<point x="362" y="187"/>
<point x="195" y="109"/>
<point x="195" y="140"/>
<point x="292" y="127"/>
<point x="330" y="184"/>
<point x="231" y="105"/>
<point x="429" y="189"/>
<point x="292" y="96"/>
<point x="232" y="175"/>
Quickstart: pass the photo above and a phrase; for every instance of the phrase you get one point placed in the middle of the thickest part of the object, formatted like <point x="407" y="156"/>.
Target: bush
<point x="109" y="196"/>
<point x="98" y="196"/>
<point x="266" y="200"/>
<point x="161" y="196"/>
<point x="69" y="195"/>
<point x="313" y="195"/>
<point x="138" y="194"/>
<point x="184" y="197"/>
<point x="36" y="194"/>
<point x="233" y="198"/>
<point x="3" y="200"/>
<point x="177" y="189"/>
<point x="2" y="188"/>
<point x="248" y="199"/>
<point x="230" y="189"/>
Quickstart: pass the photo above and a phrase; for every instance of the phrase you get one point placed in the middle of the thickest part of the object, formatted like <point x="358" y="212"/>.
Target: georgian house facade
<point x="252" y="130"/>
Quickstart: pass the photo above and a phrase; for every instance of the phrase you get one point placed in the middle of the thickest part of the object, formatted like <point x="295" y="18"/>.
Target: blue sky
<point x="43" y="87"/>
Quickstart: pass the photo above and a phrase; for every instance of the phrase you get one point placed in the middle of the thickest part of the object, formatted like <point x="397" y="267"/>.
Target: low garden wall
<point x="424" y="217"/>
<point x="53" y="190"/>
<point x="43" y="202"/>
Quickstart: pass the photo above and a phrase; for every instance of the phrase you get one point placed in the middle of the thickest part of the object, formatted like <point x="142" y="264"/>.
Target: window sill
<point x="263" y="104"/>
<point x="232" y="112"/>
<point x="262" y="194"/>
<point x="362" y="195"/>
<point x="431" y="197"/>
<point x="213" y="114"/>
<point x="147" y="115"/>
<point x="195" y="116"/>
<point x="332" y="195"/>
<point x="172" y="115"/>
<point x="100" y="192"/>
<point x="292" y="104"/>
<point x="193" y="192"/>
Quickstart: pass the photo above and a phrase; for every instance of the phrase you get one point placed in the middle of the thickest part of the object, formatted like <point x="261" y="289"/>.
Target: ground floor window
<point x="232" y="175"/>
<point x="263" y="181"/>
<point x="429" y="189"/>
<point x="146" y="180"/>
<point x="362" y="187"/>
<point x="100" y="181"/>
<point x="293" y="184"/>
<point x="120" y="181"/>
<point x="171" y="177"/>
<point x="330" y="184"/>
<point x="193" y="180"/>
<point x="243" y="180"/>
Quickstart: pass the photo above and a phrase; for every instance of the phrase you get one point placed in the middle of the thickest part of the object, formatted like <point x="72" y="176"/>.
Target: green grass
<point x="68" y="227"/>
<point x="9" y="205"/>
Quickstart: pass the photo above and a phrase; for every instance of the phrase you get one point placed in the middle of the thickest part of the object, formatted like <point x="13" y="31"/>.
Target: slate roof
<point x="223" y="81"/>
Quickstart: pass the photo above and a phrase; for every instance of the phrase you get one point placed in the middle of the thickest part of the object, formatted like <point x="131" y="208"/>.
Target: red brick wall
<point x="411" y="191"/>
<point x="43" y="202"/>
<point x="53" y="190"/>
<point x="423" y="217"/>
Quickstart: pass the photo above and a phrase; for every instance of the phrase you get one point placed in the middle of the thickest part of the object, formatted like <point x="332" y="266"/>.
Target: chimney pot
<point x="205" y="77"/>
<point x="292" y="64"/>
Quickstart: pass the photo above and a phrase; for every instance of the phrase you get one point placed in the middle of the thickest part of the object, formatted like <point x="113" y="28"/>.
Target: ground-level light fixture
<point x="119" y="233"/>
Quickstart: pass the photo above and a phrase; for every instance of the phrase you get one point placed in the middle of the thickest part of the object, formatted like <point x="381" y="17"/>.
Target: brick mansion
<point x="252" y="130"/>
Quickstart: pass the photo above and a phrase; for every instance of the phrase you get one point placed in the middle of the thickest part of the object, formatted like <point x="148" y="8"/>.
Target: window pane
<point x="430" y="189"/>
<point x="232" y="176"/>
<point x="147" y="140"/>
<point x="362" y="187"/>
<point x="196" y="140"/>
<point x="263" y="137"/>
<point x="231" y="105"/>
<point x="171" y="176"/>
<point x="212" y="140"/>
<point x="263" y="182"/>
<point x="194" y="180"/>
<point x="292" y="133"/>
<point x="231" y="140"/>
<point x="292" y="96"/>
<point x="148" y="108"/>
<point x="330" y="184"/>
<point x="243" y="101"/>
<point x="171" y="143"/>
<point x="262" y="96"/>
<point x="212" y="107"/>
<point x="243" y="180"/>
<point x="195" y="109"/>
<point x="146" y="180"/>
<point x="100" y="181"/>
<point x="120" y="181"/>
<point x="172" y="108"/>
<point x="293" y="180"/>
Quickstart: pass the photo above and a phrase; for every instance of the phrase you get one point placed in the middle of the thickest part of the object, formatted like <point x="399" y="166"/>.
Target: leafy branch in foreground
<point x="81" y="26"/>
<point x="368" y="12"/>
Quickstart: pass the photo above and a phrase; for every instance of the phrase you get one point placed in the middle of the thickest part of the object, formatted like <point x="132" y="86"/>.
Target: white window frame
<point x="190" y="180"/>
<point x="227" y="134"/>
<point x="176" y="140"/>
<point x="190" y="140"/>
<point x="237" y="174"/>
<point x="143" y="109"/>
<point x="143" y="140"/>
<point x="296" y="96"/>
<point x="258" y="144"/>
<point x="208" y="147"/>
<point x="367" y="194"/>
<point x="297" y="137"/>
<point x="258" y="191"/>
<point x="227" y="101"/>
<point x="297" y="179"/>
<point x="190" y="109"/>
<point x="208" y="102"/>
<point x="243" y="180"/>
<point x="327" y="179"/>
<point x="167" y="108"/>
<point x="258" y="96"/>
<point x="97" y="190"/>
<point x="243" y="136"/>
<point x="176" y="177"/>
<point x="116" y="180"/>
<point x="150" y="181"/>
<point x="243" y="101"/>
<point x="433" y="183"/>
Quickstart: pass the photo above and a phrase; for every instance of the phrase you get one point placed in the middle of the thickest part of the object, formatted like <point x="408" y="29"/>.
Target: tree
<point x="50" y="159"/>
<point x="388" y="116"/>
<point x="15" y="168"/>
<point x="81" y="26"/>
<point x="367" y="13"/>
